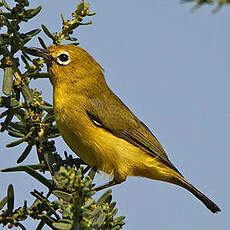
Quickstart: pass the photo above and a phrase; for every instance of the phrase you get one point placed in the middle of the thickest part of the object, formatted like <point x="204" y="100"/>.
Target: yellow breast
<point x="98" y="147"/>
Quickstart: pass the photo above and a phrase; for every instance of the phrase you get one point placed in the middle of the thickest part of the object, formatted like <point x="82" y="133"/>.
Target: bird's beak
<point x="40" y="53"/>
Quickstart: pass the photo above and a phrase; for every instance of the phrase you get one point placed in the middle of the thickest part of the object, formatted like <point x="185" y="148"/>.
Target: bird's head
<point x="68" y="63"/>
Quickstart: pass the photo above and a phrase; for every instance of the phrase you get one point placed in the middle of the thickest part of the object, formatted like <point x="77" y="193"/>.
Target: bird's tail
<point x="204" y="199"/>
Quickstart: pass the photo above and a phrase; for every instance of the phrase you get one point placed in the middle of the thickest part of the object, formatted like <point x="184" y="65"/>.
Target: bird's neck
<point x="81" y="90"/>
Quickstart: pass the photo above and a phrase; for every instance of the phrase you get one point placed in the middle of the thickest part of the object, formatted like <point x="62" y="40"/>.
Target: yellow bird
<point x="99" y="128"/>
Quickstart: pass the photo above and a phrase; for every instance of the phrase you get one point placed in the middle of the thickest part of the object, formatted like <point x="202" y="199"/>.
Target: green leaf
<point x="15" y="143"/>
<point x="21" y="115"/>
<point x="62" y="195"/>
<point x="47" y="32"/>
<point x="25" y="40"/>
<point x="8" y="119"/>
<point x="25" y="153"/>
<point x="112" y="205"/>
<point x="3" y="202"/>
<point x="114" y="212"/>
<point x="35" y="204"/>
<point x="32" y="33"/>
<point x="10" y="198"/>
<point x="45" y="202"/>
<point x="119" y="219"/>
<point x="25" y="138"/>
<point x="31" y="172"/>
<point x="39" y="75"/>
<point x="93" y="213"/>
<point x="15" y="134"/>
<point x="18" y="126"/>
<point x="27" y="93"/>
<point x="32" y="12"/>
<point x="88" y="203"/>
<point x="38" y="176"/>
<point x="25" y="55"/>
<point x="42" y="43"/>
<point x="49" y="221"/>
<point x="24" y="60"/>
<point x="105" y="198"/>
<point x="74" y="26"/>
<point x="98" y="223"/>
<point x="67" y="221"/>
<point x="7" y="81"/>
<point x="62" y="226"/>
<point x="21" y="168"/>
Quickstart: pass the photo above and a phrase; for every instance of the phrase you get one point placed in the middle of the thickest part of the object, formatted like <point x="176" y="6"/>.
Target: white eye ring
<point x="63" y="58"/>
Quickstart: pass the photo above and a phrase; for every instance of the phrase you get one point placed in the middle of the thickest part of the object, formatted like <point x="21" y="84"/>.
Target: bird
<point x="100" y="128"/>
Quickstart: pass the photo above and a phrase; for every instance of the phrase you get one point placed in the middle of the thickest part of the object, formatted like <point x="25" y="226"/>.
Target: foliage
<point x="68" y="204"/>
<point x="199" y="3"/>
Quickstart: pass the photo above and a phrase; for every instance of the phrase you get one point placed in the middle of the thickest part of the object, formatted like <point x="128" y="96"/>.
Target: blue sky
<point x="171" y="67"/>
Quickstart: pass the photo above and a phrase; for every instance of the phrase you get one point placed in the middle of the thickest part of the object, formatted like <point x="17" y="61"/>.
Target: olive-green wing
<point x="108" y="111"/>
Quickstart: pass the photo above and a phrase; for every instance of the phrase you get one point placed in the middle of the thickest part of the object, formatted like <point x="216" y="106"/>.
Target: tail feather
<point x="204" y="199"/>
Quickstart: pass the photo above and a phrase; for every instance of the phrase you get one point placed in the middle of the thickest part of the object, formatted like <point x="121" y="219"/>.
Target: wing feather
<point x="116" y="118"/>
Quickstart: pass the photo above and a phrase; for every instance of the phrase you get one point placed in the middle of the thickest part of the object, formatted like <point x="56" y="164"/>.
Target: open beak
<point x="40" y="53"/>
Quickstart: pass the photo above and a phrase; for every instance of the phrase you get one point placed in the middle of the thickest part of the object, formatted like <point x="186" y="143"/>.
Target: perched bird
<point x="99" y="128"/>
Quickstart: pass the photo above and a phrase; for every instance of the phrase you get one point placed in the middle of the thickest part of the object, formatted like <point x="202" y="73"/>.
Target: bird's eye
<point x="63" y="58"/>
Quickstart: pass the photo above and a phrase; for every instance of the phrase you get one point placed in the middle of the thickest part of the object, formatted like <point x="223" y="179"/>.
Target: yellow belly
<point x="98" y="147"/>
<point x="110" y="154"/>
